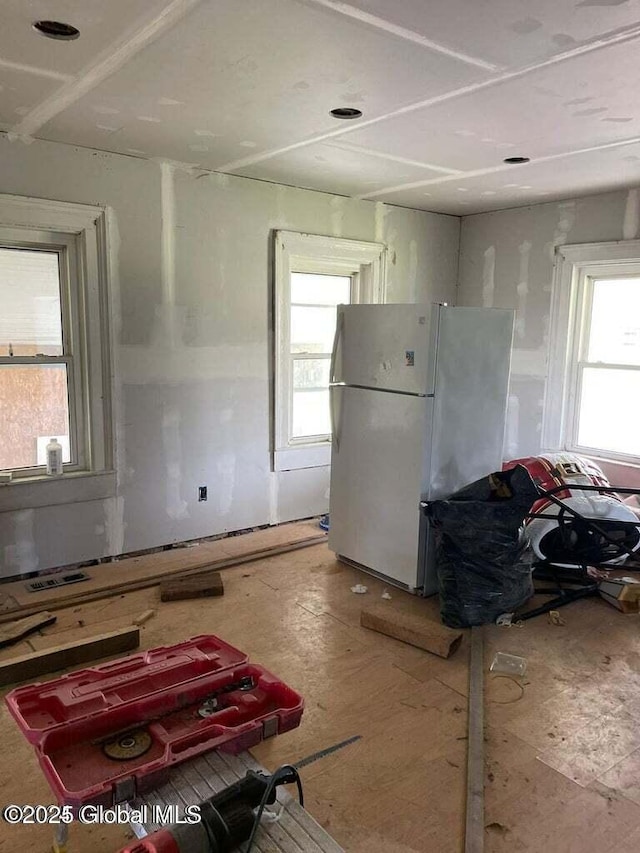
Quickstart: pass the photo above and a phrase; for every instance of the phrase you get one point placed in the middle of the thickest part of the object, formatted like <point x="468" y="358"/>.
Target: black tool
<point x="227" y="818"/>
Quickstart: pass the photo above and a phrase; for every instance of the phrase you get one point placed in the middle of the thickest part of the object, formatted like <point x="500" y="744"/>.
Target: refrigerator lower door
<point x="378" y="474"/>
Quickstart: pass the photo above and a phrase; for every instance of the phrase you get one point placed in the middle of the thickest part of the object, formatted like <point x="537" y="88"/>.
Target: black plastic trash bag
<point x="482" y="559"/>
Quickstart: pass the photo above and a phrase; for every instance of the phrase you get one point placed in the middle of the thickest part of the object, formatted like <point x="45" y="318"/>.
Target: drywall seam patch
<point x="488" y="277"/>
<point x="168" y="256"/>
<point x="22" y="555"/>
<point x="402" y="32"/>
<point x="176" y="507"/>
<point x="381" y="212"/>
<point x="383" y="155"/>
<point x="31" y="69"/>
<point x="337" y="215"/>
<point x="563" y="155"/>
<point x="225" y="465"/>
<point x="616" y="37"/>
<point x="106" y="63"/>
<point x="512" y="427"/>
<point x="113" y="509"/>
<point x="567" y="216"/>
<point x="524" y="250"/>
<point x="631" y="215"/>
<point x="413" y="271"/>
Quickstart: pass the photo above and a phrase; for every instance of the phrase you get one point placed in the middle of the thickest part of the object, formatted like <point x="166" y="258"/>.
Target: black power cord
<point x="285" y="775"/>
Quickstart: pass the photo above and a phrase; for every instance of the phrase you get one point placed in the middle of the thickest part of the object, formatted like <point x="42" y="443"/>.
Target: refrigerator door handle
<point x="335" y="436"/>
<point x="336" y="341"/>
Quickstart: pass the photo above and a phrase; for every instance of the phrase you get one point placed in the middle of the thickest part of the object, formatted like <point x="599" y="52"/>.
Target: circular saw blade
<point x="127" y="746"/>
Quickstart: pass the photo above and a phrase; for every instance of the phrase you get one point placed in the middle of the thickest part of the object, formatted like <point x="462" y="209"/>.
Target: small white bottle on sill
<point x="54" y="458"/>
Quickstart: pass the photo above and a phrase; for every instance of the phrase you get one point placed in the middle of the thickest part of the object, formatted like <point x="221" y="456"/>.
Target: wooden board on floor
<point x="14" y="631"/>
<point x="137" y="573"/>
<point x="36" y="664"/>
<point x="411" y="628"/>
<point x="202" y="585"/>
<point x="474" y="831"/>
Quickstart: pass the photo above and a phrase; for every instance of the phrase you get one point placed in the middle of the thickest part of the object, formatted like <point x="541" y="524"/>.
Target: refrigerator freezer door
<point x="390" y="347"/>
<point x="379" y="460"/>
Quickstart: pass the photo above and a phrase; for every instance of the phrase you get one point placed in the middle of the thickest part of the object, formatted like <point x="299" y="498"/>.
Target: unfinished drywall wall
<point x="506" y="261"/>
<point x="191" y="296"/>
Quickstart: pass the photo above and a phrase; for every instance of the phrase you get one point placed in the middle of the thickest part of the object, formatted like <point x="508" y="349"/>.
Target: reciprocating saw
<point x="227" y="819"/>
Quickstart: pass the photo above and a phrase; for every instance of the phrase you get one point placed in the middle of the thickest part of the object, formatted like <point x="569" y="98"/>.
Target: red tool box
<point x="108" y="733"/>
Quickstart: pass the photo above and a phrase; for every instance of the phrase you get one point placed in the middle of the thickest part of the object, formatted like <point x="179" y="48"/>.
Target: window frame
<point x="576" y="267"/>
<point x="80" y="235"/>
<point x="365" y="263"/>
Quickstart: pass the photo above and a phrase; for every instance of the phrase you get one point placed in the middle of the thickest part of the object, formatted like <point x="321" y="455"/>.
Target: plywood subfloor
<point x="562" y="760"/>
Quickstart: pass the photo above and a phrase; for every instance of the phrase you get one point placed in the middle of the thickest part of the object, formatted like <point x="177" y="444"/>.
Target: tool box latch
<point x="269" y="727"/>
<point x="123" y="790"/>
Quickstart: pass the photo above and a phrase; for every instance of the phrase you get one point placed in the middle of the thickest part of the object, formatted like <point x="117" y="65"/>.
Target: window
<point x="313" y="275"/>
<point x="594" y="376"/>
<point x="54" y="359"/>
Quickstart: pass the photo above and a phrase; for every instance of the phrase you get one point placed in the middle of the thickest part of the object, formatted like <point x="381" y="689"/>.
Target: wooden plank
<point x="413" y="629"/>
<point x="14" y="631"/>
<point x="474" y="833"/>
<point x="202" y="585"/>
<point x="107" y="591"/>
<point x="160" y="563"/>
<point x="34" y="665"/>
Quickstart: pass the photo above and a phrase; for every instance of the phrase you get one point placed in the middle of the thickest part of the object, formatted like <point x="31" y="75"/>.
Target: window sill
<point x="305" y="456"/>
<point x="619" y="473"/>
<point x="28" y="493"/>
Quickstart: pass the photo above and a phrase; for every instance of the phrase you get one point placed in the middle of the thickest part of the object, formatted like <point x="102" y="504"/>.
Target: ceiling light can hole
<point x="56" y="30"/>
<point x="513" y="161"/>
<point x="346" y="112"/>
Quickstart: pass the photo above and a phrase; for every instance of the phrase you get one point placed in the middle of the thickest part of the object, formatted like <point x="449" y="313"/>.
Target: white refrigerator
<point x="418" y="404"/>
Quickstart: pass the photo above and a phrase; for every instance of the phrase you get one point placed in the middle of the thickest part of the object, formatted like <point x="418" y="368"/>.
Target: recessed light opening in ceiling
<point x="346" y="112"/>
<point x="56" y="30"/>
<point x="516" y="160"/>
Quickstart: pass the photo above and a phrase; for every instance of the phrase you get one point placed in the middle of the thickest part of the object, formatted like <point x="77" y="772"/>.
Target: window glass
<point x="310" y="374"/>
<point x="614" y="337"/>
<point x="34" y="406"/>
<point x="311" y="413"/>
<point x="320" y="289"/>
<point x="314" y="298"/>
<point x="607" y="400"/>
<point x="312" y="329"/>
<point x="30" y="317"/>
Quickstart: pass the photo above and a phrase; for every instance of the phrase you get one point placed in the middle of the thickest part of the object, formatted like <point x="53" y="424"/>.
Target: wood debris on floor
<point x="411" y="628"/>
<point x="33" y="665"/>
<point x="562" y="754"/>
<point x="206" y="585"/>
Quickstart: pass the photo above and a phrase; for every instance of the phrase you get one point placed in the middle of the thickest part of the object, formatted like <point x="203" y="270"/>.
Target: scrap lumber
<point x="412" y="628"/>
<point x="59" y="602"/>
<point x="623" y="593"/>
<point x="14" y="631"/>
<point x="202" y="585"/>
<point x="144" y="617"/>
<point x="36" y="664"/>
<point x="474" y="832"/>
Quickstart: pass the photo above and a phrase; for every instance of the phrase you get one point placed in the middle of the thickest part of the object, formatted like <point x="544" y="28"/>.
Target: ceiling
<point x="448" y="89"/>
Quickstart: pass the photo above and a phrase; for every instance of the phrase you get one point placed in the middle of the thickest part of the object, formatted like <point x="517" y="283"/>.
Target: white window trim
<point x="294" y="252"/>
<point x="575" y="266"/>
<point x="87" y="230"/>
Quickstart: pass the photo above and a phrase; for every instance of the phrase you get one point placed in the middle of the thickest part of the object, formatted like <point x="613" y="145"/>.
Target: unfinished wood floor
<point x="562" y="761"/>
